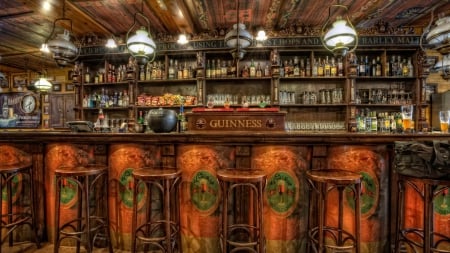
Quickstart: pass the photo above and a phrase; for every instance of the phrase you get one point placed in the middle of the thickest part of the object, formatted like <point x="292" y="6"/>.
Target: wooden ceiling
<point x="25" y="25"/>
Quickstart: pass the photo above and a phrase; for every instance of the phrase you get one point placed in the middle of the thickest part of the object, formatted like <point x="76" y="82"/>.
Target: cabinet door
<point x="61" y="109"/>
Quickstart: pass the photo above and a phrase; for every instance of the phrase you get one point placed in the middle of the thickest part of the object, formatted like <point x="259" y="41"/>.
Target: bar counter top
<point x="272" y="137"/>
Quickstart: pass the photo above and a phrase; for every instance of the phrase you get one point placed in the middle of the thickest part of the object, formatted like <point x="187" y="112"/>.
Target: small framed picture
<point x="70" y="87"/>
<point x="46" y="98"/>
<point x="4" y="82"/>
<point x="19" y="79"/>
<point x="56" y="87"/>
<point x="46" y="109"/>
<point x="45" y="123"/>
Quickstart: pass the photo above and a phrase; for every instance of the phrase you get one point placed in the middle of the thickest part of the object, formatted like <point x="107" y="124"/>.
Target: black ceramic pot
<point x="161" y="120"/>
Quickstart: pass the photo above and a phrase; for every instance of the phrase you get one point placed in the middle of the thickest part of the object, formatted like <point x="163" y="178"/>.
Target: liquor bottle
<point x="286" y="68"/>
<point x="179" y="70"/>
<point x="302" y="68"/>
<point x="252" y="69"/>
<point x="266" y="70"/>
<point x="315" y="66"/>
<point x="208" y="69"/>
<point x="387" y="68"/>
<point x="327" y="67"/>
<point x="258" y="70"/>
<point x="120" y="99"/>
<point x="333" y="71"/>
<point x="361" y="122"/>
<point x="400" y="66"/>
<point x="218" y="69"/>
<point x="410" y="68"/>
<point x="362" y="67"/>
<point x="378" y="67"/>
<point x="185" y="71"/>
<point x="182" y="123"/>
<point x="213" y="69"/>
<point x="115" y="99"/>
<point x="224" y="70"/>
<point x="126" y="99"/>
<point x="148" y="71"/>
<point x="405" y="70"/>
<point x="394" y="66"/>
<point x="87" y="76"/>
<point x="308" y="67"/>
<point x="140" y="118"/>
<point x="100" y="118"/>
<point x="367" y="66"/>
<point x="373" y="67"/>
<point x="154" y="70"/>
<point x="171" y="70"/>
<point x="320" y="70"/>
<point x="296" y="71"/>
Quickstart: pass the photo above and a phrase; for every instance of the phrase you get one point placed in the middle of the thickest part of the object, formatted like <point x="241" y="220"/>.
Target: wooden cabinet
<point x="61" y="109"/>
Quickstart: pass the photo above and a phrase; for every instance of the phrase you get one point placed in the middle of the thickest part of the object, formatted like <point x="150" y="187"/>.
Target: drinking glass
<point x="407" y="117"/>
<point x="444" y="117"/>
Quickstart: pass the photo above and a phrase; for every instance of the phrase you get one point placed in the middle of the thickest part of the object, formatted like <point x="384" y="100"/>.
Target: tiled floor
<point x="48" y="248"/>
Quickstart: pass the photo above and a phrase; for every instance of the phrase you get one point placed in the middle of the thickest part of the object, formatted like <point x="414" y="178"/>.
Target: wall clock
<point x="28" y="103"/>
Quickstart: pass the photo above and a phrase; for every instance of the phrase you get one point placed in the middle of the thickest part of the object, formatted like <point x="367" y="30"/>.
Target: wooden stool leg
<point x="358" y="217"/>
<point x="57" y="206"/>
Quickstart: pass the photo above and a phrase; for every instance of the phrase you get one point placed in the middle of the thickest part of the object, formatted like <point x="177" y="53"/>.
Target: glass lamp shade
<point x="444" y="63"/>
<point x="111" y="43"/>
<point x="63" y="50"/>
<point x="238" y="31"/>
<point x="141" y="43"/>
<point x="440" y="33"/>
<point x="42" y="84"/>
<point x="340" y="34"/>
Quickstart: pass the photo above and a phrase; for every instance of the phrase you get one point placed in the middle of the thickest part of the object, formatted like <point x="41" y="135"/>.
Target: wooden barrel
<point x="372" y="163"/>
<point x="123" y="159"/>
<point x="57" y="155"/>
<point x="286" y="201"/>
<point x="200" y="195"/>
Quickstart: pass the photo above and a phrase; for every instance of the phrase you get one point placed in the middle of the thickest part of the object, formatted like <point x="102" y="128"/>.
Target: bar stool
<point x="242" y="233"/>
<point x="321" y="183"/>
<point x="21" y="208"/>
<point x="161" y="230"/>
<point x="90" y="226"/>
<point x="428" y="190"/>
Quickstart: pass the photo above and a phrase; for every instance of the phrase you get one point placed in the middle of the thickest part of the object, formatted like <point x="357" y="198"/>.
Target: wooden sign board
<point x="236" y="121"/>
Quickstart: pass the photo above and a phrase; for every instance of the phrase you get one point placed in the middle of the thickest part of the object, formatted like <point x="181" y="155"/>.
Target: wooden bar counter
<point x="284" y="156"/>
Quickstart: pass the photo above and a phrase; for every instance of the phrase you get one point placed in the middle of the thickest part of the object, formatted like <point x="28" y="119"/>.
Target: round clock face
<point x="28" y="104"/>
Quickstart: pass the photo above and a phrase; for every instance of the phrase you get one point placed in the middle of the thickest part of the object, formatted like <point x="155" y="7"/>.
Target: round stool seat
<point x="237" y="175"/>
<point x="88" y="170"/>
<point x="156" y="173"/>
<point x="12" y="168"/>
<point x="341" y="177"/>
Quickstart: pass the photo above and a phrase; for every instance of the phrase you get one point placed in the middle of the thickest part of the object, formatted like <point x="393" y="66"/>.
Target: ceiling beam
<point x="88" y="18"/>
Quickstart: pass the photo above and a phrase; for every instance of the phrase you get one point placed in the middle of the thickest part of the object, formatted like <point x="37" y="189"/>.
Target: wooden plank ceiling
<point x="25" y="25"/>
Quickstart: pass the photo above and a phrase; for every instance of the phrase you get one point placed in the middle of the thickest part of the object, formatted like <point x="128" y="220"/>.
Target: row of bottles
<point x="157" y="71"/>
<point x="395" y="66"/>
<point x="384" y="122"/>
<point x="320" y="67"/>
<point x="217" y="68"/>
<point x="112" y="74"/>
<point x="106" y="99"/>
